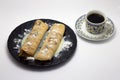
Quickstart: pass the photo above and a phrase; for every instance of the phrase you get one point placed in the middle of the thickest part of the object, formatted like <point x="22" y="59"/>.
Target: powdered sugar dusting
<point x="67" y="45"/>
<point x="64" y="46"/>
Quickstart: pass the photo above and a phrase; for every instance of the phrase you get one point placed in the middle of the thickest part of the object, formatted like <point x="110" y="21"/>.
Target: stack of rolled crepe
<point x="51" y="42"/>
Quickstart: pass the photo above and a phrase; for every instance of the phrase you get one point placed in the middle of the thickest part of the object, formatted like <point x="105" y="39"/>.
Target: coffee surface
<point x="95" y="18"/>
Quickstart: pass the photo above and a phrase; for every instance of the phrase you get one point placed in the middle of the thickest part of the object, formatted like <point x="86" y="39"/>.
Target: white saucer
<point x="82" y="31"/>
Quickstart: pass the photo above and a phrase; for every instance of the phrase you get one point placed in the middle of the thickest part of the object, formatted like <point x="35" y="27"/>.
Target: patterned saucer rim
<point x="106" y="34"/>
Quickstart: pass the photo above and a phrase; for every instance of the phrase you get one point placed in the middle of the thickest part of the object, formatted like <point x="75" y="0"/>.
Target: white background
<point x="92" y="60"/>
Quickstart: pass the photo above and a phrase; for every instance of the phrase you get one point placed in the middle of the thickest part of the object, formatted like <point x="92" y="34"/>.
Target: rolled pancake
<point x="51" y="42"/>
<point x="31" y="43"/>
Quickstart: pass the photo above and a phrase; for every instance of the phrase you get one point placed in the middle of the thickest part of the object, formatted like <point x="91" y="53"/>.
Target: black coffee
<point x="95" y="18"/>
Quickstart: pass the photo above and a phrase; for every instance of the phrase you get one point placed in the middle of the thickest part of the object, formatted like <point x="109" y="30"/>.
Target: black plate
<point x="16" y="36"/>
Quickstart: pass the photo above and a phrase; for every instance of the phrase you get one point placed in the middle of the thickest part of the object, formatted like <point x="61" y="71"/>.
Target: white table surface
<point x="92" y="60"/>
